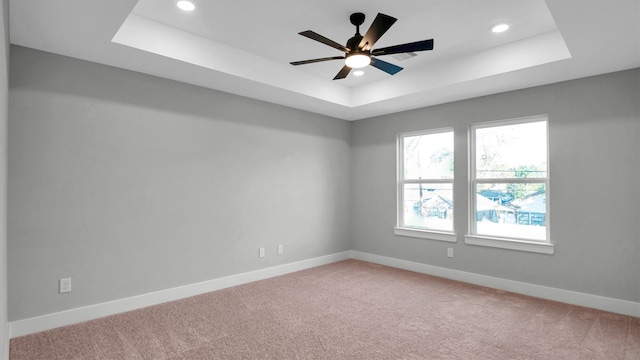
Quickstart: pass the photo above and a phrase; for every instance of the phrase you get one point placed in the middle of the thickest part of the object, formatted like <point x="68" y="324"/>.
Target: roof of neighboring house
<point x="484" y="203"/>
<point x="536" y="202"/>
<point x="437" y="197"/>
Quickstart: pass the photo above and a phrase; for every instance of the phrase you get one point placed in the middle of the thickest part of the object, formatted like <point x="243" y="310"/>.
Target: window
<point x="425" y="185"/>
<point x="509" y="180"/>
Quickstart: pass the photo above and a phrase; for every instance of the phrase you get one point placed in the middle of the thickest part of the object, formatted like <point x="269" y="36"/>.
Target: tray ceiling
<point x="245" y="46"/>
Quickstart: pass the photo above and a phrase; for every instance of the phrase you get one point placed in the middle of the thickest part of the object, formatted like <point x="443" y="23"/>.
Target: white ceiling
<point x="245" y="46"/>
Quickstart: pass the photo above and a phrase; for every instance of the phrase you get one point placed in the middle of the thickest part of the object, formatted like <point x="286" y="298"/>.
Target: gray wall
<point x="4" y="94"/>
<point x="130" y="184"/>
<point x="594" y="126"/>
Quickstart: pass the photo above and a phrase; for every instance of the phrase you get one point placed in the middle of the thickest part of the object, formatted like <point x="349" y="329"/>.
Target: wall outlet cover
<point x="65" y="285"/>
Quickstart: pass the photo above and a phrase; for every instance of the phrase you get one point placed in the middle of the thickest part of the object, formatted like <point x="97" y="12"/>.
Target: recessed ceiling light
<point x="500" y="28"/>
<point x="186" y="5"/>
<point x="358" y="73"/>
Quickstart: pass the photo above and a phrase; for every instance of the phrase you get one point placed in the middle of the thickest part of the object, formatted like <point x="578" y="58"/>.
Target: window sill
<point x="425" y="234"/>
<point x="511" y="244"/>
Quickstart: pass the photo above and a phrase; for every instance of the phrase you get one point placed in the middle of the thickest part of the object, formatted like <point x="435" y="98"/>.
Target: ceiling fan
<point x="358" y="53"/>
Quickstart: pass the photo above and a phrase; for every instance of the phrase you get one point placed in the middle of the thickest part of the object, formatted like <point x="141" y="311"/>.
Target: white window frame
<point x="537" y="246"/>
<point x="400" y="229"/>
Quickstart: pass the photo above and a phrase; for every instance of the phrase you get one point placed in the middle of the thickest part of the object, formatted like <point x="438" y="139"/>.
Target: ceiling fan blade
<point x="389" y="68"/>
<point x="343" y="73"/>
<point x="405" y="48"/>
<point x="380" y="25"/>
<point x="317" y="37"/>
<point x="310" y="61"/>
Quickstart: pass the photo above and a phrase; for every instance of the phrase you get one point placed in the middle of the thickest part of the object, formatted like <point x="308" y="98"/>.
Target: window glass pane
<point x="512" y="210"/>
<point x="428" y="206"/>
<point x="428" y="156"/>
<point x="512" y="151"/>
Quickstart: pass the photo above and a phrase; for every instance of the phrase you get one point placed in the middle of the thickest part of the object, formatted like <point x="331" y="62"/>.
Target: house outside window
<point x="425" y="185"/>
<point x="509" y="183"/>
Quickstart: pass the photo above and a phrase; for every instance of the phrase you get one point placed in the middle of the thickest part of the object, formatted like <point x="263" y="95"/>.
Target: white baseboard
<point x="7" y="337"/>
<point x="91" y="312"/>
<point x="570" y="297"/>
<point x="74" y="316"/>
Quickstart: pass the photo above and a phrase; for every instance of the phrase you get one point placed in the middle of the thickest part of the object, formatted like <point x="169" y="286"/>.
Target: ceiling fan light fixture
<point x="357" y="60"/>
<point x="358" y="73"/>
<point x="186" y="5"/>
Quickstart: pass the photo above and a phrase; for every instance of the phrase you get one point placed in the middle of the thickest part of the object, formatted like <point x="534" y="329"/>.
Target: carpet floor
<point x="346" y="310"/>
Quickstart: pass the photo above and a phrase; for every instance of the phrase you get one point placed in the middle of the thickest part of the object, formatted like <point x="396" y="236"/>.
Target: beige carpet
<point x="346" y="310"/>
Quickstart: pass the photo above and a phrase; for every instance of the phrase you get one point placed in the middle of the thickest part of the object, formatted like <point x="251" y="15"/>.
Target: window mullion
<point x="429" y="181"/>
<point x="510" y="180"/>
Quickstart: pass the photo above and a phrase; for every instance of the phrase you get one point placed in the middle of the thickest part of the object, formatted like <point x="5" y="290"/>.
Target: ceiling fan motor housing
<point x="353" y="43"/>
<point x="356" y="58"/>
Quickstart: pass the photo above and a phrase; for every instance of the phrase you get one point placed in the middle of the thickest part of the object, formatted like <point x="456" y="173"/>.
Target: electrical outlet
<point x="65" y="285"/>
<point x="280" y="249"/>
<point x="261" y="252"/>
<point x="450" y="252"/>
